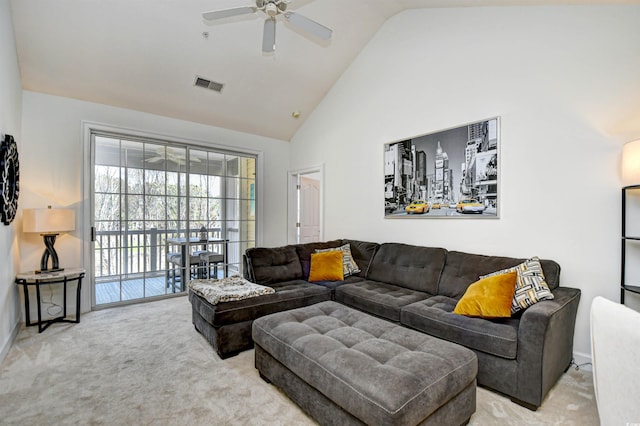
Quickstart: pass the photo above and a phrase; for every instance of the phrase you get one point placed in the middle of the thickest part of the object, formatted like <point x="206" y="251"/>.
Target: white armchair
<point x="615" y="351"/>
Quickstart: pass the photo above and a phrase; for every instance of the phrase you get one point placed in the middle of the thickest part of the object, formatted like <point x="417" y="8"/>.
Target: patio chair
<point x="209" y="262"/>
<point x="174" y="273"/>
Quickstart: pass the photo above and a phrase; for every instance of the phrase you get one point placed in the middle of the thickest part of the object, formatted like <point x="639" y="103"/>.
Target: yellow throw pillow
<point x="489" y="297"/>
<point x="326" y="266"/>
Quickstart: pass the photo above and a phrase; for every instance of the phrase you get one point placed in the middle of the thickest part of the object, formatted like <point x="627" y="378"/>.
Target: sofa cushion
<point x="288" y="295"/>
<point x="335" y="284"/>
<point x="362" y="252"/>
<point x="412" y="267"/>
<point x="327" y="266"/>
<point x="273" y="265"/>
<point x="490" y="297"/>
<point x="462" y="269"/>
<point x="435" y="316"/>
<point x="381" y="299"/>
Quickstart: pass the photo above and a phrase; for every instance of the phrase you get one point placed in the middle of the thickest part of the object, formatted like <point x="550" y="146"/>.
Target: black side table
<point x="26" y="279"/>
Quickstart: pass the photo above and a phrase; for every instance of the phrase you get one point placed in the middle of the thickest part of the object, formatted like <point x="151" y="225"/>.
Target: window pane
<point x="198" y="161"/>
<point x="135" y="181"/>
<point x="197" y="185"/>
<point x="176" y="159"/>
<point x="107" y="179"/>
<point x="173" y="183"/>
<point x="107" y="206"/>
<point x="132" y="154"/>
<point x="214" y="211"/>
<point x="155" y="207"/>
<point x="198" y="210"/>
<point x="135" y="207"/>
<point x="215" y="164"/>
<point x="233" y="187"/>
<point x="248" y="168"/>
<point x="233" y="165"/>
<point x="107" y="151"/>
<point x="154" y="182"/>
<point x="215" y="186"/>
<point x="155" y="157"/>
<point x="173" y="210"/>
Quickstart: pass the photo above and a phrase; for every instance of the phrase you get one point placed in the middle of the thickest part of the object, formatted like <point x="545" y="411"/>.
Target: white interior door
<point x="309" y="209"/>
<point x="305" y="206"/>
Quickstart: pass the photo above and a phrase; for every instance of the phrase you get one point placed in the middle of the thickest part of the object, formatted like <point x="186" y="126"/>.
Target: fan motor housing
<point x="271" y="9"/>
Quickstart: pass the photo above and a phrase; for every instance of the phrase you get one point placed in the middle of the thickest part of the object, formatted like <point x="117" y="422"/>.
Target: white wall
<point x="10" y="123"/>
<point x="565" y="82"/>
<point x="52" y="167"/>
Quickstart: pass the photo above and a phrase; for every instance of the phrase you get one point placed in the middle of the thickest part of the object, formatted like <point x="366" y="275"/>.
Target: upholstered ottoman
<point x="343" y="366"/>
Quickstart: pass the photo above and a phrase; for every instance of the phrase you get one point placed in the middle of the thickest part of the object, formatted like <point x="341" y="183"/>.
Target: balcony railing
<point x="132" y="253"/>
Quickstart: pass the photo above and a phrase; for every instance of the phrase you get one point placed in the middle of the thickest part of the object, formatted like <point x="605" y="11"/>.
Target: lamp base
<point x="49" y="252"/>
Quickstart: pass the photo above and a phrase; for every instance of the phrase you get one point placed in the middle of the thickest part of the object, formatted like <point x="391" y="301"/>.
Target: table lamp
<point x="49" y="223"/>
<point x="631" y="163"/>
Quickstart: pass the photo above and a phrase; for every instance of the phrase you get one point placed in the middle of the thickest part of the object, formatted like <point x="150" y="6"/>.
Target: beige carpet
<point x="146" y="364"/>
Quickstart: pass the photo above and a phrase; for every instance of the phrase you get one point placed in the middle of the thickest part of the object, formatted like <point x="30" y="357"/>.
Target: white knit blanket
<point x="228" y="289"/>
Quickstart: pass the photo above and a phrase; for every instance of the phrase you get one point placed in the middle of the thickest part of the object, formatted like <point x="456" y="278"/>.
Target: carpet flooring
<point x="146" y="364"/>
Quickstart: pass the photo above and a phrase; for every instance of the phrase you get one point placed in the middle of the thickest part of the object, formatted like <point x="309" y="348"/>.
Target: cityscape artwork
<point x="450" y="173"/>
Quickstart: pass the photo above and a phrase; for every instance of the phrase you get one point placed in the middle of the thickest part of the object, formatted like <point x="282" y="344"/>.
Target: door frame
<point x="86" y="219"/>
<point x="293" y="201"/>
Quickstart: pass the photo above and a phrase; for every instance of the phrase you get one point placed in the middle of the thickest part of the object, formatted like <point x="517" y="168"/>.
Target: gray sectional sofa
<point x="416" y="287"/>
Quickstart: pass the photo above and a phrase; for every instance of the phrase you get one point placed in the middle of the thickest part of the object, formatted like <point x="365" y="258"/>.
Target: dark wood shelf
<point x="631" y="288"/>
<point x="625" y="241"/>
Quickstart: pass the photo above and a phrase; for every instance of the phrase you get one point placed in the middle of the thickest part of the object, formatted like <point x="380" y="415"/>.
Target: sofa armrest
<point x="545" y="344"/>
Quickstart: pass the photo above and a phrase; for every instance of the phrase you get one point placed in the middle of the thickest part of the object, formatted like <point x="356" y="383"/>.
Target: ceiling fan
<point x="177" y="156"/>
<point x="273" y="8"/>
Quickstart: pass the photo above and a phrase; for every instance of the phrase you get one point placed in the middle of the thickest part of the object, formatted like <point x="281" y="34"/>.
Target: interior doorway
<point x="305" y="213"/>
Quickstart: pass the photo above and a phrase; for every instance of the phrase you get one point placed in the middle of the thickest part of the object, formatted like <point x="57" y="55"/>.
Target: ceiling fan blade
<point x="269" y="36"/>
<point x="309" y="25"/>
<point x="227" y="13"/>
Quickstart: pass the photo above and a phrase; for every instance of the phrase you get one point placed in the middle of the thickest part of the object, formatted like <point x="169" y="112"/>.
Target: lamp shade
<point x="48" y="221"/>
<point x="631" y="163"/>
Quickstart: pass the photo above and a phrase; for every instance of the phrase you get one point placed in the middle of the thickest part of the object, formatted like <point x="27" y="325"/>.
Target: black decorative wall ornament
<point x="9" y="179"/>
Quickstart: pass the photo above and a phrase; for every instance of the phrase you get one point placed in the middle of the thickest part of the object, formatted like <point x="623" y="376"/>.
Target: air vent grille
<point x="208" y="84"/>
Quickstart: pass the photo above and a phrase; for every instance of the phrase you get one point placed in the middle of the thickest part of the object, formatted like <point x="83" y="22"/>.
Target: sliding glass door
<point x="165" y="213"/>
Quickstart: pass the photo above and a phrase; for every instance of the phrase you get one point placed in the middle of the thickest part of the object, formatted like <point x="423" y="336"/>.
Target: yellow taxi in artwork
<point x="470" y="205"/>
<point x="417" y="206"/>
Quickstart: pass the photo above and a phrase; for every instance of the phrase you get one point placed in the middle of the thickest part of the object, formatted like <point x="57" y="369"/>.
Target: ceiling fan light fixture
<point x="271" y="9"/>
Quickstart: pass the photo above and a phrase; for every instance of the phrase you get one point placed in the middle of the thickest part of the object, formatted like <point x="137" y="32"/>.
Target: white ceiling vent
<point x="208" y="84"/>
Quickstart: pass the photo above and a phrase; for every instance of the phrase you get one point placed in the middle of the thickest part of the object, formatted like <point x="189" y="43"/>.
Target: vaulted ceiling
<point x="145" y="55"/>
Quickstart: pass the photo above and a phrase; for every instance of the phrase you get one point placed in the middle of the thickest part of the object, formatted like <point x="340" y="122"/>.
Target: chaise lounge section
<point x="416" y="287"/>
<point x="227" y="325"/>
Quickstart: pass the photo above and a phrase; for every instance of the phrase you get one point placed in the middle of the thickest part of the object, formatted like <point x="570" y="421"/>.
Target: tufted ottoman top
<point x="380" y="372"/>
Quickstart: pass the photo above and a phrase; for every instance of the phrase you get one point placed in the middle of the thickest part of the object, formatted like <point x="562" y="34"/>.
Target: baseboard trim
<point x="583" y="361"/>
<point x="12" y="338"/>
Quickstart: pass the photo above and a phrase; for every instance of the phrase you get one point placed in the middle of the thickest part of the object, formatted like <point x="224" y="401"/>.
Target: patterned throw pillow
<point x="531" y="286"/>
<point x="349" y="266"/>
